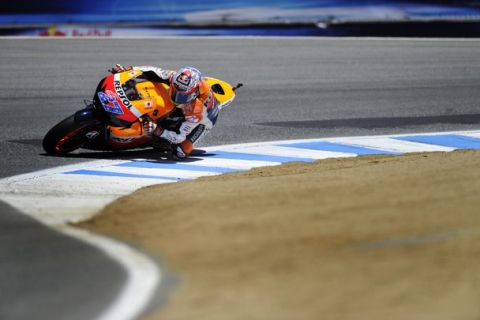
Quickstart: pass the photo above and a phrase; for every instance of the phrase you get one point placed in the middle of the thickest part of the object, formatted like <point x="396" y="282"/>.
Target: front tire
<point x="68" y="135"/>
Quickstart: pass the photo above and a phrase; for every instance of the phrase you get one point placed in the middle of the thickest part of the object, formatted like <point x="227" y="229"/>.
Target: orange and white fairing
<point x="138" y="99"/>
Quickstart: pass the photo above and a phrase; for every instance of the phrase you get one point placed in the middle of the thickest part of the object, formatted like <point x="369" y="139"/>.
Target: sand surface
<point x="377" y="237"/>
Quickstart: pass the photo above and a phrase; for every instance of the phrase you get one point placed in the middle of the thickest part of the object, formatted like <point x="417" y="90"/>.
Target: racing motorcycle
<point x="125" y="100"/>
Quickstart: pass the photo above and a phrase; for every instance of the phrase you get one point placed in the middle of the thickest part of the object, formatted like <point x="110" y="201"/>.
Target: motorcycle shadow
<point x="146" y="154"/>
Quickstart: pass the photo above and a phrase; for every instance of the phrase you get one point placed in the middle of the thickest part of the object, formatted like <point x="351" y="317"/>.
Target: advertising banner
<point x="122" y="18"/>
<point x="102" y="11"/>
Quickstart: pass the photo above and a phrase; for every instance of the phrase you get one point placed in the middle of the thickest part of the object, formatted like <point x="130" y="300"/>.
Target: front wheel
<point x="69" y="135"/>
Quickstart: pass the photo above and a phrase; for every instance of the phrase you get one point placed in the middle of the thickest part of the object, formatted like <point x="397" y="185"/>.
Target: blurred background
<point x="146" y="18"/>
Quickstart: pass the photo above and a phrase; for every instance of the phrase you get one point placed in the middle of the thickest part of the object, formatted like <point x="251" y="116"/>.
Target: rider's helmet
<point x="184" y="86"/>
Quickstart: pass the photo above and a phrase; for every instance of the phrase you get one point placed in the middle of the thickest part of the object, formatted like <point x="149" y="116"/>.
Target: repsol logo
<point x="122" y="95"/>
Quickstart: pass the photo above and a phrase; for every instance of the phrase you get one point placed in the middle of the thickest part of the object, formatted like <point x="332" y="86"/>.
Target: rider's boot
<point x="182" y="150"/>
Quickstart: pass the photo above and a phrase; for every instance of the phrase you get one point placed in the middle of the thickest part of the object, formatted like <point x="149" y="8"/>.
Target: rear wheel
<point x="68" y="135"/>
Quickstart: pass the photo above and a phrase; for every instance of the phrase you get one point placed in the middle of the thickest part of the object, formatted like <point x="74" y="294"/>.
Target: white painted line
<point x="240" y="146"/>
<point x="143" y="275"/>
<point x="473" y="135"/>
<point x="170" y="173"/>
<point x="231" y="163"/>
<point x="389" y="144"/>
<point x="5" y="182"/>
<point x="292" y="152"/>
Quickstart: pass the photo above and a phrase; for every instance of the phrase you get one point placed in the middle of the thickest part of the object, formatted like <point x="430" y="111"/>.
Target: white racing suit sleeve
<point x="188" y="127"/>
<point x="163" y="74"/>
<point x="176" y="138"/>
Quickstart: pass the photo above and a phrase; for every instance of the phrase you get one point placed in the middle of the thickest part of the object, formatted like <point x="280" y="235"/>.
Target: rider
<point x="188" y="92"/>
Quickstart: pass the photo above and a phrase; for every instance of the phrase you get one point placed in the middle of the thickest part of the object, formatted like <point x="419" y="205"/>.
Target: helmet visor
<point x="182" y="97"/>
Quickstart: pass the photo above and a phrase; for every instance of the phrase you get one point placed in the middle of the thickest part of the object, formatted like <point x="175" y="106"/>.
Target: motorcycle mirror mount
<point x="238" y="86"/>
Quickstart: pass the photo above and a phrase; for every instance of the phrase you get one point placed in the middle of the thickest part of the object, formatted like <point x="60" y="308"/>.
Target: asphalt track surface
<point x="293" y="88"/>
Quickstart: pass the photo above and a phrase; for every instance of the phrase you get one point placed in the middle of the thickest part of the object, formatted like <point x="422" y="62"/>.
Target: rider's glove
<point x="119" y="68"/>
<point x="158" y="131"/>
<point x="178" y="153"/>
<point x="182" y="150"/>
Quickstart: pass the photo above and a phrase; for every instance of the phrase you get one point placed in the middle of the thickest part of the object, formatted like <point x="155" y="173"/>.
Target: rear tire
<point x="68" y="135"/>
